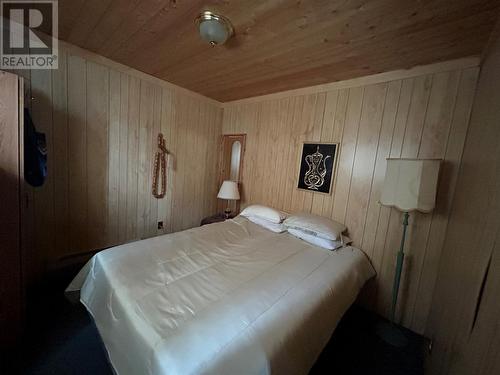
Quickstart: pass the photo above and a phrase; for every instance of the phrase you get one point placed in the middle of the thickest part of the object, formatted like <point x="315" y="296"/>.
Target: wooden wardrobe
<point x="11" y="172"/>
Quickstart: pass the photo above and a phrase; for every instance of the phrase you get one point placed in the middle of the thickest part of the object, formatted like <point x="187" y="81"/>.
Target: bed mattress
<point x="225" y="298"/>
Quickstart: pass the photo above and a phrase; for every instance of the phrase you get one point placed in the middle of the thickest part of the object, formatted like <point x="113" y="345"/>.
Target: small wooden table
<point x="217" y="218"/>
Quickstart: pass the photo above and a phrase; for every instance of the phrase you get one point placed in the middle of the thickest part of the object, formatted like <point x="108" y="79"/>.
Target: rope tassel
<point x="160" y="167"/>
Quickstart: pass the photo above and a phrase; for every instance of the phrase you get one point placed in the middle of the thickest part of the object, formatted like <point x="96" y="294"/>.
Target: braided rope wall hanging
<point x="160" y="169"/>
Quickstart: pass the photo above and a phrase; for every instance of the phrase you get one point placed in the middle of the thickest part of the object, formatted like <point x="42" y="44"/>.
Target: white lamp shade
<point x="229" y="190"/>
<point x="410" y="184"/>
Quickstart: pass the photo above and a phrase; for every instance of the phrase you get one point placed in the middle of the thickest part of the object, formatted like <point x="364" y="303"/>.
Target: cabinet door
<point x="10" y="257"/>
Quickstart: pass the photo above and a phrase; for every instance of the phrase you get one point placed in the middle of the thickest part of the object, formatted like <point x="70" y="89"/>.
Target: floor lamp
<point x="410" y="185"/>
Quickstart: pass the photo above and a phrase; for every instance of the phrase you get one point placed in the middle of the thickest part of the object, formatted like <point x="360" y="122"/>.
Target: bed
<point x="225" y="298"/>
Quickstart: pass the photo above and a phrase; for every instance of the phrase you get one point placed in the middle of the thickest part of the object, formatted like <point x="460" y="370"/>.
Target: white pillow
<point x="264" y="212"/>
<point x="277" y="228"/>
<point x="316" y="226"/>
<point x="318" y="241"/>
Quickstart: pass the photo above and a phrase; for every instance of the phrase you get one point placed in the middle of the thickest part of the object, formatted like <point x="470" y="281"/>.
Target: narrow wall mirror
<point x="234" y="173"/>
<point x="232" y="151"/>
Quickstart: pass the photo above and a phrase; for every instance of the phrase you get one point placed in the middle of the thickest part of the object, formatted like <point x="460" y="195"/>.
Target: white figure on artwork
<point x="315" y="175"/>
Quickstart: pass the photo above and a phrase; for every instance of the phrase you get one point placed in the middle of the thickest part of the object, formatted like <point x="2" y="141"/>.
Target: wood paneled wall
<point x="101" y="120"/>
<point x="465" y="316"/>
<point x="423" y="115"/>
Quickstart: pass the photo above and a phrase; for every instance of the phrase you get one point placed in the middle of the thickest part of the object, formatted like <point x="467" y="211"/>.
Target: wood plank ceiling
<point x="279" y="44"/>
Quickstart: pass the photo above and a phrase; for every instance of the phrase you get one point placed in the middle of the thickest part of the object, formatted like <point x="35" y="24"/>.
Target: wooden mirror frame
<point x="225" y="154"/>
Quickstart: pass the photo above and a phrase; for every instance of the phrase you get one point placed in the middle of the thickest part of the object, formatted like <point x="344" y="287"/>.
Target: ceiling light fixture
<point x="214" y="28"/>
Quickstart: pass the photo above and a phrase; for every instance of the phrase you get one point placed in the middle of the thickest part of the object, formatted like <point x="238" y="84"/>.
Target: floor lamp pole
<point x="399" y="269"/>
<point x="388" y="331"/>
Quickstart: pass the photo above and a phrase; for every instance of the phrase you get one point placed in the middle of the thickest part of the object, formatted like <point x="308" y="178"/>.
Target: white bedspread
<point x="225" y="298"/>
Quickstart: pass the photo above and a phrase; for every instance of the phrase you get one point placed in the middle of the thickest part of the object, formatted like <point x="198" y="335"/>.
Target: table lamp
<point x="229" y="191"/>
<point x="409" y="185"/>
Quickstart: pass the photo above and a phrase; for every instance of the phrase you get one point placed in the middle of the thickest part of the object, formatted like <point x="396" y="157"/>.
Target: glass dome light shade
<point x="213" y="28"/>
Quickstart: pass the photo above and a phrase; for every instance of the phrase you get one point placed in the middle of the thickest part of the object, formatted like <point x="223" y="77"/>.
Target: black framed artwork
<point x="317" y="167"/>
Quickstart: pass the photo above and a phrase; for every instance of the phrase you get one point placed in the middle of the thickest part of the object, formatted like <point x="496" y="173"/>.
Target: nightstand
<point x="217" y="218"/>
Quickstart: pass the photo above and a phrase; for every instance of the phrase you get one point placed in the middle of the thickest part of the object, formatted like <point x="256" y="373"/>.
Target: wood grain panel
<point x="134" y="100"/>
<point x="123" y="153"/>
<point x="77" y="161"/>
<point x="154" y="216"/>
<point x="61" y="154"/>
<point x="180" y="156"/>
<point x="114" y="156"/>
<point x="101" y="124"/>
<point x="278" y="45"/>
<point x="97" y="154"/>
<point x="41" y="86"/>
<point x="145" y="156"/>
<point x="11" y="295"/>
<point x="346" y="153"/>
<point x="169" y="131"/>
<point x="427" y="95"/>
<point x="437" y="233"/>
<point x="363" y="167"/>
<point x="424" y="116"/>
<point x="465" y="309"/>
